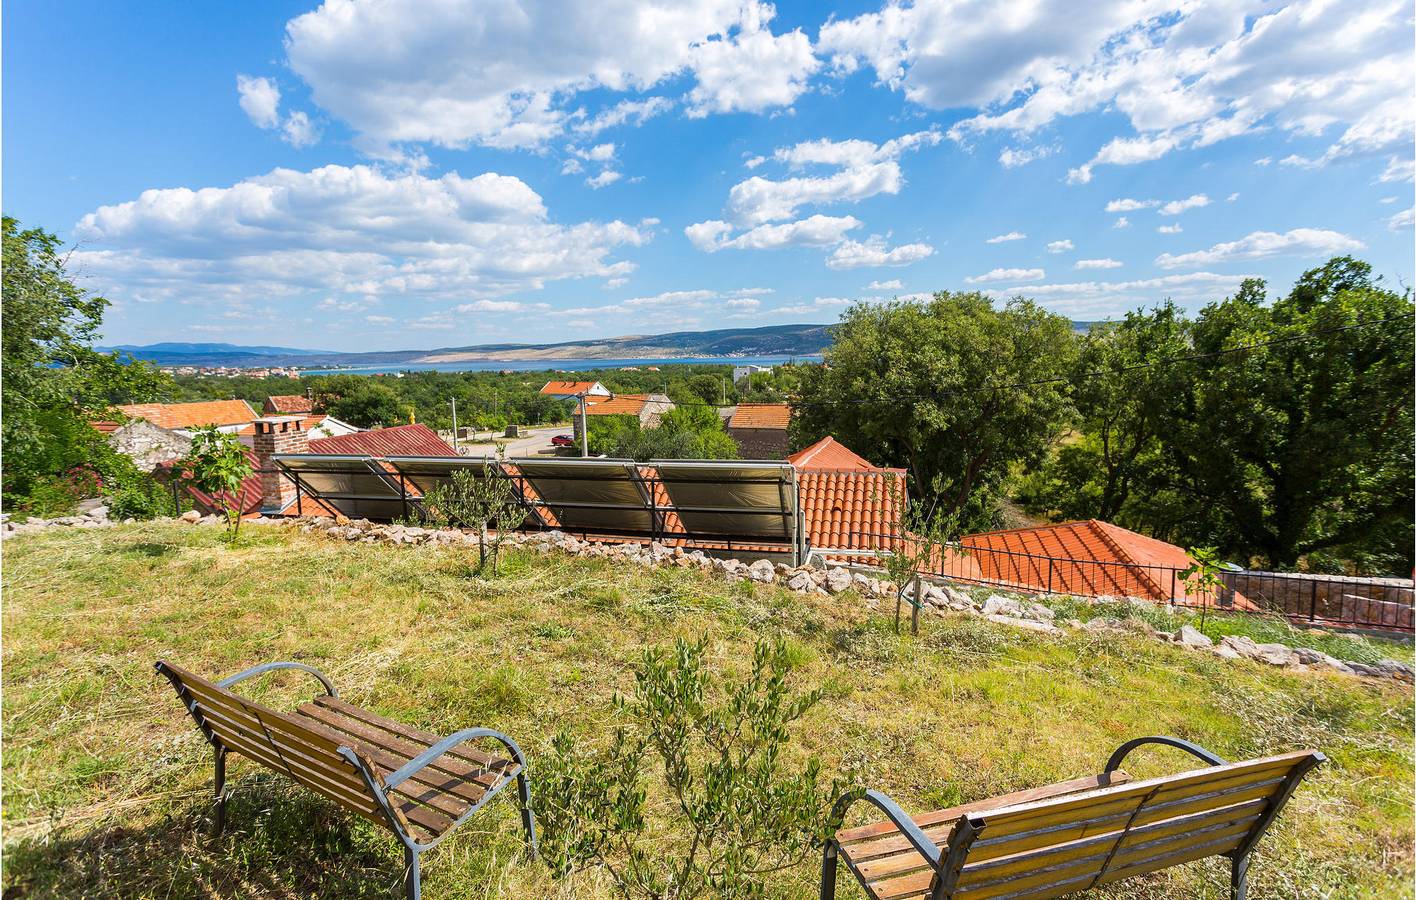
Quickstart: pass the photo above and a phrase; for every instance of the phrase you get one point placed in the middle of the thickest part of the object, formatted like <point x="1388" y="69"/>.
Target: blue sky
<point x="399" y="174"/>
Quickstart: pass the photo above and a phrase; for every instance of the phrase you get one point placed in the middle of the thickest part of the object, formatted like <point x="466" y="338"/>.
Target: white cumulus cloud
<point x="751" y="69"/>
<point x="1259" y="244"/>
<point x="1184" y="74"/>
<point x="813" y="231"/>
<point x="874" y="252"/>
<point x="894" y="284"/>
<point x="348" y="231"/>
<point x="1006" y="275"/>
<point x="1403" y="219"/>
<point x="1176" y="207"/>
<point x="259" y="99"/>
<point x="1061" y="246"/>
<point x="504" y="74"/>
<point x="1098" y="264"/>
<point x="862" y="169"/>
<point x="1169" y="229"/>
<point x="1004" y="238"/>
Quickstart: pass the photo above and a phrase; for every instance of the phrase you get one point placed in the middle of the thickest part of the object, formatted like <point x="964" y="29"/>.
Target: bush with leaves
<point x="485" y="500"/>
<point x="217" y="465"/>
<point x="737" y="813"/>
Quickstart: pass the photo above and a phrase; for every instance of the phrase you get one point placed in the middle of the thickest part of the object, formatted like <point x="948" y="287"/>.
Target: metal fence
<point x="1378" y="604"/>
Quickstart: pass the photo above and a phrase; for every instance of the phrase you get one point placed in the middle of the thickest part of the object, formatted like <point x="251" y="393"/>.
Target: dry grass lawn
<point x="106" y="780"/>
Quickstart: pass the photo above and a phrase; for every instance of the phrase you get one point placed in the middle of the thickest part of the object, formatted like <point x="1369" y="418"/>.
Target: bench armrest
<point x="1116" y="759"/>
<point x="424" y="759"/>
<point x="271" y="666"/>
<point x="912" y="832"/>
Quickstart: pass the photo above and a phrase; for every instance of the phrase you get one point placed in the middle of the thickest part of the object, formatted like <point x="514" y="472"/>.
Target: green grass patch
<point x="107" y="781"/>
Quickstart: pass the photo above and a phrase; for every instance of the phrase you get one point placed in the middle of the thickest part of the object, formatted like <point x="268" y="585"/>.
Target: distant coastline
<point x="568" y="365"/>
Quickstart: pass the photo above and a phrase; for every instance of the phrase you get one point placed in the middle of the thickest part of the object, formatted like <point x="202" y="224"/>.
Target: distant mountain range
<point x="774" y="340"/>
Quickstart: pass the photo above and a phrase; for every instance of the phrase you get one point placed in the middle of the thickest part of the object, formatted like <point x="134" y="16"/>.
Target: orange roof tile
<point x="192" y="415"/>
<point x="400" y="440"/>
<point x="852" y="509"/>
<point x="287" y="403"/>
<point x="567" y="387"/>
<point x="828" y="453"/>
<point x="1089" y="558"/>
<point x="761" y="415"/>
<point x="618" y="405"/>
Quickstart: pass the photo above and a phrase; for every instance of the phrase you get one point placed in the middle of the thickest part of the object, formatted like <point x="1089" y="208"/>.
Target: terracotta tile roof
<point x="1089" y="558"/>
<point x="852" y="509"/>
<point x="761" y="415"/>
<point x="192" y="415"/>
<point x="568" y="387"/>
<point x="105" y="427"/>
<point x="278" y="404"/>
<point x="401" y="440"/>
<point x="828" y="453"/>
<point x="618" y="405"/>
<point x="250" y="493"/>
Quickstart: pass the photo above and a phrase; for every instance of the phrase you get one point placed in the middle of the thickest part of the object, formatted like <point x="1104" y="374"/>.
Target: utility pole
<point x="584" y="432"/>
<point x="454" y="426"/>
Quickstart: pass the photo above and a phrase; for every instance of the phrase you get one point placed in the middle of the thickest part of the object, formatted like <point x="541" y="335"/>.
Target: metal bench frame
<point x="379" y="786"/>
<point x="947" y="868"/>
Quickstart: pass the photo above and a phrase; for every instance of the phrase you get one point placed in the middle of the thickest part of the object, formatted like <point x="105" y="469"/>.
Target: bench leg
<point x="828" y="870"/>
<point x="528" y="818"/>
<point x="412" y="874"/>
<point x="1239" y="877"/>
<point x="218" y="824"/>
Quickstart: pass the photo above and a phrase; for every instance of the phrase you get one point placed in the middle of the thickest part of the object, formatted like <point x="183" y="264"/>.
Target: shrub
<point x="737" y="814"/>
<point x="140" y="496"/>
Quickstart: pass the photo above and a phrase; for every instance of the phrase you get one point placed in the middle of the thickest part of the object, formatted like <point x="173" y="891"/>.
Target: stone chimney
<point x="277" y="434"/>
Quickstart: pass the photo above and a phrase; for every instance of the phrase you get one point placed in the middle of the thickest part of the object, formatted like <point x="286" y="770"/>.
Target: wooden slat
<point x="848" y="836"/>
<point x="451" y="763"/>
<point x="295" y="769"/>
<point x="980" y="874"/>
<point x="450" y="794"/>
<point x="465" y="752"/>
<point x="1113" y="818"/>
<point x="1032" y="815"/>
<point x="289" y="763"/>
<point x="1086" y="862"/>
<point x="283" y="735"/>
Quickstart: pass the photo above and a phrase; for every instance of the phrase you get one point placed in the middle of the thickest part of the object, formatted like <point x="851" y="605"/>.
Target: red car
<point x="563" y="440"/>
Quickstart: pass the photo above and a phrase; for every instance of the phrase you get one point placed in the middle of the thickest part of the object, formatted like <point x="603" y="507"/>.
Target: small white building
<point x="569" y="390"/>
<point x="741" y="372"/>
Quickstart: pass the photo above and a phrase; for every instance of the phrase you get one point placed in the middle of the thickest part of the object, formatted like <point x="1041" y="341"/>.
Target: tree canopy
<point x="917" y="384"/>
<point x="52" y="379"/>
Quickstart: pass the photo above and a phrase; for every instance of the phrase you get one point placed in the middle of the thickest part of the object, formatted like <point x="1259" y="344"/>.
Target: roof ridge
<point x="1103" y="531"/>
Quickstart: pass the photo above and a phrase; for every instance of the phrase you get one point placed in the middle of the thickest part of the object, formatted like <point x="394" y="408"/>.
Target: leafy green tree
<point x="217" y="465"/>
<point x="1123" y="410"/>
<point x="926" y="386"/>
<point x="684" y="432"/>
<point x="483" y="500"/>
<point x="370" y="404"/>
<point x="52" y="380"/>
<point x="1302" y="443"/>
<point x="736" y="812"/>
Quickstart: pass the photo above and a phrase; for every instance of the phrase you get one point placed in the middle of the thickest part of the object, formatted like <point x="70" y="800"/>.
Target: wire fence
<point x="1333" y="601"/>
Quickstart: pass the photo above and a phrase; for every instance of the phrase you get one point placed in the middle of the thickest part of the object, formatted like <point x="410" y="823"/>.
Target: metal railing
<point x="1379" y="604"/>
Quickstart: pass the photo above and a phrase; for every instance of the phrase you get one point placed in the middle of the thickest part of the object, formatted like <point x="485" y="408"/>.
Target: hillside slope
<point x="107" y="781"/>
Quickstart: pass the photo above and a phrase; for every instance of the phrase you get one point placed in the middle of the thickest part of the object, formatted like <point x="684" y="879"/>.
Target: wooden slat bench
<point x="1069" y="837"/>
<point x="412" y="782"/>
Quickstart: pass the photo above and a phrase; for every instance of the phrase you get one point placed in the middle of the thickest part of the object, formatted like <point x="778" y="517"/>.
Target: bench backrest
<point x="1054" y="847"/>
<point x="276" y="740"/>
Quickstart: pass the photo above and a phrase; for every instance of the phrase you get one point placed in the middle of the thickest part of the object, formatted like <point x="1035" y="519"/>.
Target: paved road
<point x="534" y="443"/>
